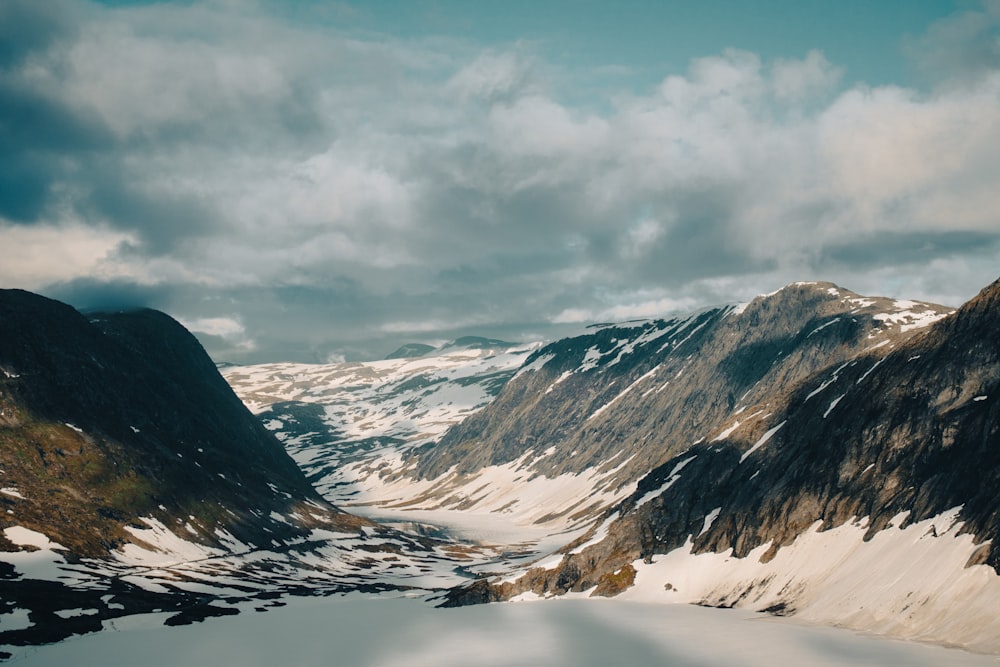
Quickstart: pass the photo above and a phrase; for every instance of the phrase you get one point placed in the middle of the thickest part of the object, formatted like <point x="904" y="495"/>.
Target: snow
<point x="827" y="383"/>
<point x="833" y="404"/>
<point x="711" y="517"/>
<point x="559" y="379"/>
<point x="160" y="547"/>
<point x="908" y="318"/>
<point x="627" y="389"/>
<point x="760" y="443"/>
<point x="74" y="427"/>
<point x="23" y="537"/>
<point x="599" y="534"/>
<point x="823" y="326"/>
<point x="535" y="365"/>
<point x="869" y="371"/>
<point x="729" y="430"/>
<point x="11" y="491"/>
<point x="44" y="563"/>
<point x="671" y="479"/>
<point x="401" y="632"/>
<point x="907" y="583"/>
<point x="73" y="613"/>
<point x="980" y="398"/>
<point x="738" y="309"/>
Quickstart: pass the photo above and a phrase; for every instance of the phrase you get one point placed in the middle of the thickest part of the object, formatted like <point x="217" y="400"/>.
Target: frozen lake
<point x="361" y="631"/>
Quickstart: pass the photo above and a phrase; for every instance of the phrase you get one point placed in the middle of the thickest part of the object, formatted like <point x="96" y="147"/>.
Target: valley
<point x="814" y="454"/>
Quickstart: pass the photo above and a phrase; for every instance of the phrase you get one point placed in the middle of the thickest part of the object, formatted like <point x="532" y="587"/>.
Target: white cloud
<point x="460" y="179"/>
<point x="230" y="329"/>
<point x="32" y="257"/>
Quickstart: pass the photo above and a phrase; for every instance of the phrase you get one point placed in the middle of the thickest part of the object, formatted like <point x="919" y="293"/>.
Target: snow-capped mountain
<point x="862" y="494"/>
<point x="341" y="421"/>
<point x="813" y="452"/>
<point x="578" y="424"/>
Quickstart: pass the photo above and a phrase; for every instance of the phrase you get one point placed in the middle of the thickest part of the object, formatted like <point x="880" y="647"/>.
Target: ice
<point x="401" y="632"/>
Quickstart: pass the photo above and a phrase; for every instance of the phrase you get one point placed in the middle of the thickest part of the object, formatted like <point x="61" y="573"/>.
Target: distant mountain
<point x="479" y="343"/>
<point x="341" y="422"/>
<point x="410" y="350"/>
<point x="586" y="417"/>
<point x="858" y="490"/>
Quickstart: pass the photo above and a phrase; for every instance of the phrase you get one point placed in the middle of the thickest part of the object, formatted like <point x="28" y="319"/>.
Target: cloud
<point x="38" y="256"/>
<point x="230" y="162"/>
<point x="227" y="330"/>
<point x="960" y="48"/>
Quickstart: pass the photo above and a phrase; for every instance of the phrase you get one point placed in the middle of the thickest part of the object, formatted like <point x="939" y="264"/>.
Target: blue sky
<point x="653" y="38"/>
<point x="327" y="180"/>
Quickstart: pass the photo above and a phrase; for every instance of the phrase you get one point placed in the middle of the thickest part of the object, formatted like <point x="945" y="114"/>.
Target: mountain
<point x="132" y="478"/>
<point x="124" y="416"/>
<point x="410" y="350"/>
<point x="586" y="417"/>
<point x="342" y="421"/>
<point x="861" y="494"/>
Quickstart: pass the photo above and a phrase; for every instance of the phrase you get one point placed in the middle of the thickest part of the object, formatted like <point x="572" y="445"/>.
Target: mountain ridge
<point x="876" y="447"/>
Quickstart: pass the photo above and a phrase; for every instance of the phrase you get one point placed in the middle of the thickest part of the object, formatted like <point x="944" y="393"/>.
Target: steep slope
<point x="104" y="422"/>
<point x="132" y="479"/>
<point x="338" y="421"/>
<point x="586" y="417"/>
<point x="862" y="496"/>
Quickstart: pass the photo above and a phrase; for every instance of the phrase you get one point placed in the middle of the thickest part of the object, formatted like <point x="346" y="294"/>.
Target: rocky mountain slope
<point x="586" y="417"/>
<point x="340" y="422"/>
<point x="132" y="478"/>
<point x="859" y="493"/>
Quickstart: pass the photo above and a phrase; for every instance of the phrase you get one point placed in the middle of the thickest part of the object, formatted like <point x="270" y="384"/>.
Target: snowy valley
<point x="813" y="454"/>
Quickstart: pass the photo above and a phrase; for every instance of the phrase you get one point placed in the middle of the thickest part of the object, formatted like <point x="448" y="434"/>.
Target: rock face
<point x="620" y="401"/>
<point x="122" y="416"/>
<point x="859" y="450"/>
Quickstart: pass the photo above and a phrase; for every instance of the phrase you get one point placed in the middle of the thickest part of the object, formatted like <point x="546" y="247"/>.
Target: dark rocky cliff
<point x="113" y="417"/>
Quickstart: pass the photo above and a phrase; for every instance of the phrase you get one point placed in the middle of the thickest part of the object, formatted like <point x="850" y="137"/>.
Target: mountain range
<point x="814" y="452"/>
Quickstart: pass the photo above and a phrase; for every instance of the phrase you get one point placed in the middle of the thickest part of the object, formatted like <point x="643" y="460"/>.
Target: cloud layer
<point x="306" y="191"/>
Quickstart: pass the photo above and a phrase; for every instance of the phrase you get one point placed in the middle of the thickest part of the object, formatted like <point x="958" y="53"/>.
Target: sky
<point x="321" y="181"/>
